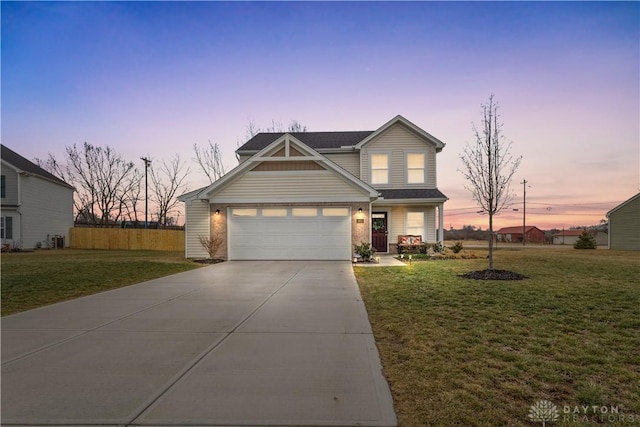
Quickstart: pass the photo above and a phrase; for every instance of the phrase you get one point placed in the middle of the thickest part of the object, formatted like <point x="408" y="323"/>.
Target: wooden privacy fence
<point x="126" y="238"/>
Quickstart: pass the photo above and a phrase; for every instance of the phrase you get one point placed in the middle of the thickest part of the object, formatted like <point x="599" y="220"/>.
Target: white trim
<point x="387" y="153"/>
<point x="410" y="202"/>
<point x="387" y="211"/>
<point x="399" y="119"/>
<point x="293" y="199"/>
<point x="424" y="221"/>
<point x="406" y="168"/>
<point x="310" y="154"/>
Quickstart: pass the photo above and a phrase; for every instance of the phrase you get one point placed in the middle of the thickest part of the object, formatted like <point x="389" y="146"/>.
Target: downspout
<point x="18" y="210"/>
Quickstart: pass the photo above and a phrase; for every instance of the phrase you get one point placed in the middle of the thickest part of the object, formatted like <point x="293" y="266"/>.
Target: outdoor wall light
<point x="217" y="211"/>
<point x="360" y="216"/>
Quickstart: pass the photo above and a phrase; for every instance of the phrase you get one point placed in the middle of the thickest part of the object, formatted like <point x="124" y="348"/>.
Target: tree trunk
<point x="490" y="241"/>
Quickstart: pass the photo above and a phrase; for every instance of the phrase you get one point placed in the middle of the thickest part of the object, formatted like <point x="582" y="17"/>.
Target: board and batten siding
<point x="398" y="141"/>
<point x="624" y="226"/>
<point x="289" y="187"/>
<point x="197" y="220"/>
<point x="347" y="161"/>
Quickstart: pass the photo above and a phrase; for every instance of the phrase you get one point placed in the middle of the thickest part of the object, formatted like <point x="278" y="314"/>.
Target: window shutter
<point x="8" y="228"/>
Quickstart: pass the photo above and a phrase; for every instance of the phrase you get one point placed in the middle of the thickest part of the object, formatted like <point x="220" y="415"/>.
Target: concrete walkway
<point x="386" y="260"/>
<point x="238" y="343"/>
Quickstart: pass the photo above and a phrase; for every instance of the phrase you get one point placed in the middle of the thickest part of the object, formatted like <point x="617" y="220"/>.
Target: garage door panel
<point x="290" y="237"/>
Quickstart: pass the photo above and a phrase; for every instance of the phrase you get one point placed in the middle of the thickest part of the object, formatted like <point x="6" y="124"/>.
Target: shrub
<point x="211" y="244"/>
<point x="585" y="241"/>
<point x="438" y="248"/>
<point x="456" y="247"/>
<point x="365" y="250"/>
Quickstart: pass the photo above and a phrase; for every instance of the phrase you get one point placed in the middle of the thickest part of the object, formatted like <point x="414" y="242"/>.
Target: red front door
<point x="379" y="231"/>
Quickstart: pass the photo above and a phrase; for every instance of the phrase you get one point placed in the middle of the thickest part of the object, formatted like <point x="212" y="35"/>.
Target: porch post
<point x="440" y="223"/>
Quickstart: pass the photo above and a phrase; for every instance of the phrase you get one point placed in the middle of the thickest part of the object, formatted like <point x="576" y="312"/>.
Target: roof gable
<point x="286" y="148"/>
<point x="623" y="204"/>
<point x="427" y="137"/>
<point x="24" y="165"/>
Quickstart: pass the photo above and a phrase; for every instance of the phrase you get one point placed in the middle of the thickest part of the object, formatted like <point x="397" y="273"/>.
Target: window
<point x="244" y="212"/>
<point x="379" y="169"/>
<point x="415" y="223"/>
<point x="415" y="168"/>
<point x="274" y="212"/>
<point x="3" y="187"/>
<point x="335" y="211"/>
<point x="304" y="211"/>
<point x="6" y="227"/>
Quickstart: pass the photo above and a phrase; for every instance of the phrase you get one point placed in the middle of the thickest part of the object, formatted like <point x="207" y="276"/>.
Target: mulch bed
<point x="208" y="261"/>
<point x="493" y="275"/>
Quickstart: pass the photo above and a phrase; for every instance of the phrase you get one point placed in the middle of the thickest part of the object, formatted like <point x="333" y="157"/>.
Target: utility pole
<point x="147" y="162"/>
<point x="524" y="212"/>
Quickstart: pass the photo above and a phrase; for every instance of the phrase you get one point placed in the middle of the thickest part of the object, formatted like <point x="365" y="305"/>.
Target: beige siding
<point x="624" y="226"/>
<point x="398" y="141"/>
<point x="289" y="186"/>
<point x="347" y="161"/>
<point x="397" y="221"/>
<point x="197" y="224"/>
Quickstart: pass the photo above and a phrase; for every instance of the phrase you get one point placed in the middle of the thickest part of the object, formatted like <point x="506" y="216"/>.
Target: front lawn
<point x="34" y="279"/>
<point x="464" y="352"/>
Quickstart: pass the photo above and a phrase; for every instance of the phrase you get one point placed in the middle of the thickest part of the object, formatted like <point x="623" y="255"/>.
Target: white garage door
<point x="289" y="233"/>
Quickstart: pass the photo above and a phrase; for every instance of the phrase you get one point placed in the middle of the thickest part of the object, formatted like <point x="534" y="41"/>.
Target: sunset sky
<point x="153" y="78"/>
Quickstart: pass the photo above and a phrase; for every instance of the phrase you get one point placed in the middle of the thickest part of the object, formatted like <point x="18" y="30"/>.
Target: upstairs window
<point x="3" y="187"/>
<point x="379" y="169"/>
<point x="415" y="168"/>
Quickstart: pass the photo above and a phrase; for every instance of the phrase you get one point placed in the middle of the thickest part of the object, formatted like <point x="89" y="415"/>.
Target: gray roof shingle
<point x="315" y="140"/>
<point x="23" y="164"/>
<point x="413" y="193"/>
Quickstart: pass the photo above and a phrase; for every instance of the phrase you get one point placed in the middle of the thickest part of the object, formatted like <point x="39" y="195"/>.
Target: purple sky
<point x="153" y="78"/>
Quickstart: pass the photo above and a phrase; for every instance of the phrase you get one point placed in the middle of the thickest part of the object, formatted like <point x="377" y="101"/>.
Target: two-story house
<point x="36" y="207"/>
<point x="313" y="195"/>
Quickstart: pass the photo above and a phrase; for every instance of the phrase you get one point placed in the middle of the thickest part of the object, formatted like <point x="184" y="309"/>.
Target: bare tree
<point x="211" y="244"/>
<point x="489" y="167"/>
<point x="210" y="160"/>
<point x="101" y="177"/>
<point x="294" y="126"/>
<point x="167" y="180"/>
<point x="252" y="130"/>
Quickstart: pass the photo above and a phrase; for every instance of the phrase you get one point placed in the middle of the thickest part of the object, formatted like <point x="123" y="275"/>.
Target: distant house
<point x="570" y="237"/>
<point x="37" y="207"/>
<point x="514" y="234"/>
<point x="624" y="225"/>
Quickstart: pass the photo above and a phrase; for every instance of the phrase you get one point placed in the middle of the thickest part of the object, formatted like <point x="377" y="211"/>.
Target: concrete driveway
<point x="238" y="343"/>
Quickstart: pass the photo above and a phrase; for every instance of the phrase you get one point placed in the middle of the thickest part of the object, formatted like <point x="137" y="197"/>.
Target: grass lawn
<point x="463" y="352"/>
<point x="34" y="279"/>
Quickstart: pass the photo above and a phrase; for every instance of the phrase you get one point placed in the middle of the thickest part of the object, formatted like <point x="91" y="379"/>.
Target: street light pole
<point x="147" y="162"/>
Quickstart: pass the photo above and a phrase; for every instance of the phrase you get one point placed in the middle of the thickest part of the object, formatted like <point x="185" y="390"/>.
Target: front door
<point x="379" y="231"/>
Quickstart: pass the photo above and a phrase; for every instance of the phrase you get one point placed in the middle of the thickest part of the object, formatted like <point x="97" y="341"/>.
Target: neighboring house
<point x="624" y="225"/>
<point x="313" y="195"/>
<point x="514" y="234"/>
<point x="570" y="237"/>
<point x="36" y="208"/>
